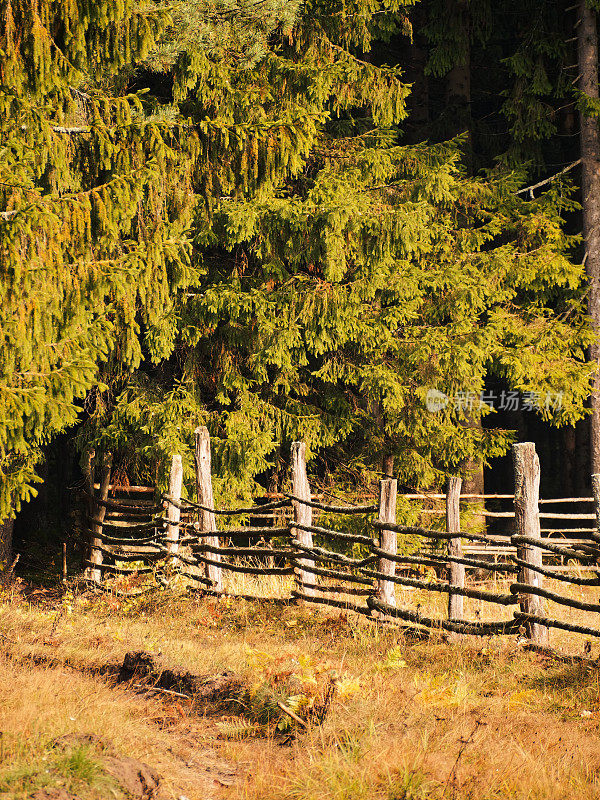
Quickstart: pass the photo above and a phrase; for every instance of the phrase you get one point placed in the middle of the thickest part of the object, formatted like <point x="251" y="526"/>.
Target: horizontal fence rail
<point x="362" y="567"/>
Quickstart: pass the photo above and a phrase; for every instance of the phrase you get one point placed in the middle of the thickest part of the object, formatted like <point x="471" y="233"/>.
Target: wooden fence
<point x="361" y="567"/>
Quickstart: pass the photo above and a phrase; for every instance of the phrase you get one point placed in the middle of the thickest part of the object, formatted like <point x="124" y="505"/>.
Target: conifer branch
<point x="348" y="54"/>
<point x="5" y="215"/>
<point x="551" y="178"/>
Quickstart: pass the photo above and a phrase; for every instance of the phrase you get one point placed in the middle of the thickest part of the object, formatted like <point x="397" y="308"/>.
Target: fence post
<point x="206" y="519"/>
<point x="173" y="512"/>
<point x="388" y="540"/>
<point x="456" y="572"/>
<point x="90" y="506"/>
<point x="93" y="571"/>
<point x="596" y="493"/>
<point x="64" y="562"/>
<point x="527" y="523"/>
<point x="303" y="515"/>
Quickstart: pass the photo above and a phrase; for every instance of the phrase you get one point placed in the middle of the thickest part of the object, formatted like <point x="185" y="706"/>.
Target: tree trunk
<point x="417" y="122"/>
<point x="6" y="535"/>
<point x="458" y="87"/>
<point x="388" y="466"/>
<point x="418" y="99"/>
<point x="473" y="483"/>
<point x="458" y="97"/>
<point x="587" y="54"/>
<point x="568" y="449"/>
<point x="458" y="80"/>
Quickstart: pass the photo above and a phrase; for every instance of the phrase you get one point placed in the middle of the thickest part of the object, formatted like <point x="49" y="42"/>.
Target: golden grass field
<point x="410" y="720"/>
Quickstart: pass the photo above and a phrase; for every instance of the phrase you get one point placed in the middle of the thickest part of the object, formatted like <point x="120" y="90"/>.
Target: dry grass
<point x="413" y="719"/>
<point x="40" y="707"/>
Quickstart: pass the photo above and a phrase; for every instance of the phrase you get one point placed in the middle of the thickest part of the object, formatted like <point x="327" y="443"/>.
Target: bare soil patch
<point x="210" y="694"/>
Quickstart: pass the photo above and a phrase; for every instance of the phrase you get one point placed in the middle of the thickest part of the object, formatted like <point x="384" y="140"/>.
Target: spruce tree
<point x="99" y="186"/>
<point x="93" y="241"/>
<point x="525" y="90"/>
<point x="347" y="280"/>
<point x="246" y="242"/>
<point x="553" y="74"/>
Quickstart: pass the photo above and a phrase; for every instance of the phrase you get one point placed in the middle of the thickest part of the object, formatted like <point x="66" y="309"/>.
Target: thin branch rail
<point x="330" y="555"/>
<point x="548" y="622"/>
<point x="329" y="601"/>
<point x="247" y="570"/>
<point x="558" y="576"/>
<point x="149" y="555"/>
<point x="121" y="570"/>
<point x="474" y="628"/>
<point x="132" y="542"/>
<point x="333" y="509"/>
<point x="333" y="573"/>
<point x="433" y="560"/>
<point x="526" y="588"/>
<point x="338" y="589"/>
<point x="133" y="529"/>
<point x="122" y="505"/>
<point x="430" y="533"/>
<point x="345" y="537"/>
<point x="191" y="505"/>
<point x="431" y="586"/>
<point x="244" y="551"/>
<point x="249" y="531"/>
<point x="565" y="552"/>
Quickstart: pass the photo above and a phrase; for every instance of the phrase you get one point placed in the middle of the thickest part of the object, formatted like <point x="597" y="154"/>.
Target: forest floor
<point x="386" y="716"/>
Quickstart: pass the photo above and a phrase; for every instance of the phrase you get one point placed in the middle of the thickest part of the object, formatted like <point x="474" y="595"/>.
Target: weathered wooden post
<point x="88" y="466"/>
<point x="456" y="572"/>
<point x="388" y="541"/>
<point x="302" y="515"/>
<point x="64" y="562"/>
<point x="596" y="493"/>
<point x="93" y="571"/>
<point x="206" y="519"/>
<point x="173" y="512"/>
<point x="527" y="524"/>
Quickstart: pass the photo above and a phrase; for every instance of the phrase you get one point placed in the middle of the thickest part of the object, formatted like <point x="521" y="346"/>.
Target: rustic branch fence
<point x="360" y="571"/>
